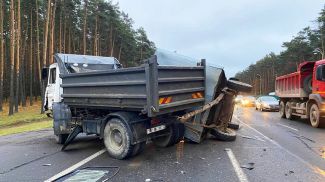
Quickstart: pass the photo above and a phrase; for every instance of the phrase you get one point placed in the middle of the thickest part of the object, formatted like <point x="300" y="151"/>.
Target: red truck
<point x="302" y="93"/>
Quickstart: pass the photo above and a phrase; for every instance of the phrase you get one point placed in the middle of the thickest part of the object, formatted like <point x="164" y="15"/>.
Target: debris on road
<point x="253" y="138"/>
<point x="248" y="166"/>
<point x="290" y="172"/>
<point x="47" y="165"/>
<point x="183" y="172"/>
<point x="148" y="180"/>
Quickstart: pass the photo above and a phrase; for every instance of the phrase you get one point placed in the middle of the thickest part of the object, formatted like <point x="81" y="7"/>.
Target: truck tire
<point x="228" y="135"/>
<point x="117" y="139"/>
<point x="239" y="86"/>
<point x="307" y="84"/>
<point x="61" y="138"/>
<point x="288" y="111"/>
<point x="138" y="148"/>
<point x="175" y="132"/>
<point x="314" y="117"/>
<point x="282" y="109"/>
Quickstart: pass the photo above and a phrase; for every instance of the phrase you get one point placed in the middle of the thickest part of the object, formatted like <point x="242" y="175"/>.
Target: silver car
<point x="268" y="103"/>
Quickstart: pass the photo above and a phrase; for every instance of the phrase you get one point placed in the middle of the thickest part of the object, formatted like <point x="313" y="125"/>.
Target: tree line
<point x="32" y="31"/>
<point x="307" y="45"/>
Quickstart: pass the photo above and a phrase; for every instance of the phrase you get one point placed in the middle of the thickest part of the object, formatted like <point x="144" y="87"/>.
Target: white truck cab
<point x="72" y="64"/>
<point x="53" y="90"/>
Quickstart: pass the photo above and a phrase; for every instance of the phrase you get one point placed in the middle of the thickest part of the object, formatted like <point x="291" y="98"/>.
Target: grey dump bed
<point x="152" y="89"/>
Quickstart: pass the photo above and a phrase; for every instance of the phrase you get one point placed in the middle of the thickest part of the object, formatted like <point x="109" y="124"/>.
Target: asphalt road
<point x="273" y="149"/>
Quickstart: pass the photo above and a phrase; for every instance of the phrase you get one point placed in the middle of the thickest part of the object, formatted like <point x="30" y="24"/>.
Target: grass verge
<point x="25" y="127"/>
<point x="27" y="119"/>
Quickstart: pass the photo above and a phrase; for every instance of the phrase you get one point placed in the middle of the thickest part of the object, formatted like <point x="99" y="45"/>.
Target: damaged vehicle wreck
<point x="161" y="100"/>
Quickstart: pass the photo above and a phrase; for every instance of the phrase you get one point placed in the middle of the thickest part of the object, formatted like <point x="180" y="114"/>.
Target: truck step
<point x="298" y="108"/>
<point x="302" y="116"/>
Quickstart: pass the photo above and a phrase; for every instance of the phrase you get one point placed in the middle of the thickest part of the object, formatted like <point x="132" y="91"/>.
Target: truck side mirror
<point x="45" y="72"/>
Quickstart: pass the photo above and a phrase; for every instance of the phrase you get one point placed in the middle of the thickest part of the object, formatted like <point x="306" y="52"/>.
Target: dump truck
<point x="302" y="93"/>
<point x="126" y="107"/>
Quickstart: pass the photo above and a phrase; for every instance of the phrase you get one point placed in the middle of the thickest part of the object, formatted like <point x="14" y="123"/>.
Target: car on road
<point x="269" y="103"/>
<point x="238" y="99"/>
<point x="248" y="101"/>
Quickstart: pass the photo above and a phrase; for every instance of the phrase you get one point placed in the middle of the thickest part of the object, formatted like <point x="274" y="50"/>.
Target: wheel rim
<point x="314" y="115"/>
<point x="282" y="109"/>
<point x="288" y="110"/>
<point x="115" y="139"/>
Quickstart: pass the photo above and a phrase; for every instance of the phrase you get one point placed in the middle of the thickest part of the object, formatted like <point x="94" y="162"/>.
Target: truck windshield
<point x="320" y="73"/>
<point x="85" y="63"/>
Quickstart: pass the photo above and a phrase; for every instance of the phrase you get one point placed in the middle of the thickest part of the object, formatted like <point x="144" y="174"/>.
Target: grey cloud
<point x="232" y="34"/>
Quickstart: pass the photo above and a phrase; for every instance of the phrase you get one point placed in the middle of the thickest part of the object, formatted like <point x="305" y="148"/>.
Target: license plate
<point x="155" y="129"/>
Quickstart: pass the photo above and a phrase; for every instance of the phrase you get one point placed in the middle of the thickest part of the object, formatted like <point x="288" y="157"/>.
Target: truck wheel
<point x="117" y="139"/>
<point x="172" y="135"/>
<point x="228" y="135"/>
<point x="61" y="138"/>
<point x="138" y="148"/>
<point x="282" y="109"/>
<point x="239" y="86"/>
<point x="288" y="111"/>
<point x="167" y="138"/>
<point x="314" y="117"/>
<point x="307" y="84"/>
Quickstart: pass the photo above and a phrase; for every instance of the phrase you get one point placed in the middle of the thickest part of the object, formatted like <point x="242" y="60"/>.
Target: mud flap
<point x="72" y="135"/>
<point x="61" y="118"/>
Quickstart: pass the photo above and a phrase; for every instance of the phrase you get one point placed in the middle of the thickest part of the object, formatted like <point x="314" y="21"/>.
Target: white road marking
<point x="278" y="145"/>
<point x="76" y="166"/>
<point x="287" y="126"/>
<point x="240" y="174"/>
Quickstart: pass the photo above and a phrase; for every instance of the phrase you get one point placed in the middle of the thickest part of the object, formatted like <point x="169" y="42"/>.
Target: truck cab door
<point x="319" y="80"/>
<point x="52" y="93"/>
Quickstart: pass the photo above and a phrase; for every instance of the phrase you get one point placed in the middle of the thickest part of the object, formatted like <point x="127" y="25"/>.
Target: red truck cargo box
<point x="291" y="85"/>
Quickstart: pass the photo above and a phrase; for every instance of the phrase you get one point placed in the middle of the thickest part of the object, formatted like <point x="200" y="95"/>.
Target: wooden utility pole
<point x="38" y="59"/>
<point x="85" y="29"/>
<point x="60" y="28"/>
<point x="46" y="31"/>
<point x="96" y="37"/>
<point x="12" y="56"/>
<point x="112" y="48"/>
<point x="1" y="55"/>
<point x="51" y="51"/>
<point x="17" y="66"/>
<point x="31" y="60"/>
<point x="120" y="51"/>
<point x="111" y="41"/>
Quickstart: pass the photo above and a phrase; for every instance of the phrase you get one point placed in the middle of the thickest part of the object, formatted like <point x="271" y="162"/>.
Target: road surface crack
<point x="26" y="163"/>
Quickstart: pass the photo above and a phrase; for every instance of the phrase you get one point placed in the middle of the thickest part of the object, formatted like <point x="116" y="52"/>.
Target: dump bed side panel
<point x="150" y="89"/>
<point x="181" y="87"/>
<point x="289" y="86"/>
<point x="123" y="88"/>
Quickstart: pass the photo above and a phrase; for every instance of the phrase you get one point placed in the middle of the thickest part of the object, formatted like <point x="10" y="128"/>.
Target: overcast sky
<point x="228" y="33"/>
